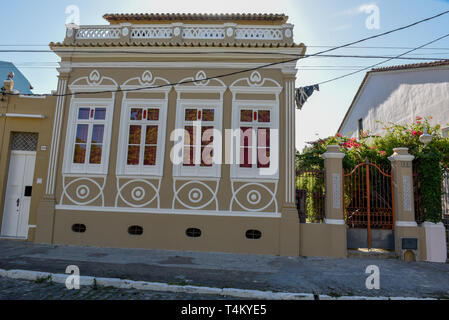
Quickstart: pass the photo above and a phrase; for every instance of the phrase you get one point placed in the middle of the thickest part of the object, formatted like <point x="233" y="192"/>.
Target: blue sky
<point x="33" y="24"/>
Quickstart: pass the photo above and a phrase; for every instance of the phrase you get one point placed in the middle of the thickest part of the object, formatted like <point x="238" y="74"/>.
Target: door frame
<point x="11" y="154"/>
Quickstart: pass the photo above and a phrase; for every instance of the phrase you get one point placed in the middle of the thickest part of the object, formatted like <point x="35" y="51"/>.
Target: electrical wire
<point x="262" y="66"/>
<point x="382" y="62"/>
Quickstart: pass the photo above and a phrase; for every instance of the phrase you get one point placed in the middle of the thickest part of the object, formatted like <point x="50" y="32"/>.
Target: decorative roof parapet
<point x="179" y="33"/>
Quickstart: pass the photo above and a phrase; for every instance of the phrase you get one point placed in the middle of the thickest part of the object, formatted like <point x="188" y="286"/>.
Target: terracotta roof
<point x="391" y="68"/>
<point x="413" y="66"/>
<point x="183" y="44"/>
<point x="158" y="17"/>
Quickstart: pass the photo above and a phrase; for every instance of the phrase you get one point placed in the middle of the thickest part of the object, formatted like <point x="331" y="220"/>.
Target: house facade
<point x="160" y="141"/>
<point x="398" y="94"/>
<point x="25" y="139"/>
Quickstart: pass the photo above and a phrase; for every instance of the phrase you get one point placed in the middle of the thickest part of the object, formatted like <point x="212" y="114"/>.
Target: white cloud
<point x="356" y="10"/>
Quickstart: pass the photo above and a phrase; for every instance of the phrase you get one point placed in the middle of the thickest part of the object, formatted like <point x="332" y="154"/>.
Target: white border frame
<point x="75" y="103"/>
<point x="157" y="170"/>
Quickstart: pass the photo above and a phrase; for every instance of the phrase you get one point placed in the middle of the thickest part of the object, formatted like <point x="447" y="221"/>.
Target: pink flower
<point x="418" y="122"/>
<point x="339" y="135"/>
<point x="372" y="148"/>
<point x="382" y="153"/>
<point x="418" y="118"/>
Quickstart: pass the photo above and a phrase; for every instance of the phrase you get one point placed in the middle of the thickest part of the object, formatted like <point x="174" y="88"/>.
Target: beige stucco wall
<point x="8" y="125"/>
<point x="164" y="230"/>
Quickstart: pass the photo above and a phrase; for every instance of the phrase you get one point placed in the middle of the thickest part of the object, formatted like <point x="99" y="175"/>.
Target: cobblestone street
<point x="12" y="289"/>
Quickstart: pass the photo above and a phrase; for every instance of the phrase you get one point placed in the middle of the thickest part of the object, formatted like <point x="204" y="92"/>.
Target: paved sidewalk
<point x="334" y="277"/>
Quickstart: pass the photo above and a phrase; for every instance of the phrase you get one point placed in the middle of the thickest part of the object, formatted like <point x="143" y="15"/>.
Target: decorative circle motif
<point x="195" y="195"/>
<point x="229" y="32"/>
<point x="254" y="197"/>
<point x="125" y="31"/>
<point x="288" y="33"/>
<point x="82" y="192"/>
<point x="177" y="31"/>
<point x="138" y="193"/>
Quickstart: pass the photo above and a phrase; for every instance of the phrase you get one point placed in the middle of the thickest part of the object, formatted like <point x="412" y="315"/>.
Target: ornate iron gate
<point x="369" y="207"/>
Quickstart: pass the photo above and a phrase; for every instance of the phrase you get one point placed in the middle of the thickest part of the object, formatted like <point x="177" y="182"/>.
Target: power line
<point x="382" y="62"/>
<point x="260" y="67"/>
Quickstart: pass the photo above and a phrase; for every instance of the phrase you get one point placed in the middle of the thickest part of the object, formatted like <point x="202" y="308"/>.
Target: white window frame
<point x="123" y="169"/>
<point x="214" y="171"/>
<point x="254" y="171"/>
<point x="86" y="168"/>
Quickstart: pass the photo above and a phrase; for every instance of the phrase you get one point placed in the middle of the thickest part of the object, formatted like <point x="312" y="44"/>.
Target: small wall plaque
<point x="409" y="244"/>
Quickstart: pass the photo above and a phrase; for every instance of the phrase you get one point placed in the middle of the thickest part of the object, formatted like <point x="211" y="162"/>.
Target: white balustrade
<point x="151" y="33"/>
<point x="186" y="32"/>
<point x="98" y="33"/>
<point x="258" y="34"/>
<point x="203" y="33"/>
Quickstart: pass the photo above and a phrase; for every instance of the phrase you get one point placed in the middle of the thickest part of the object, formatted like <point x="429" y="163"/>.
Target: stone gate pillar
<point x="336" y="227"/>
<point x="408" y="237"/>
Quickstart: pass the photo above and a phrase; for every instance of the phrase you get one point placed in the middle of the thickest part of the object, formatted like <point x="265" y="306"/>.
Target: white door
<point x="18" y="194"/>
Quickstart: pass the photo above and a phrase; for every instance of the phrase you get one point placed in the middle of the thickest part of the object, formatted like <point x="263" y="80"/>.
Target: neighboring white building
<point x="398" y="94"/>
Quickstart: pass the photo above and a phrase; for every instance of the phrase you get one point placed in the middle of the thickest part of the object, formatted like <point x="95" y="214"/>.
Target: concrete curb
<point x="163" y="287"/>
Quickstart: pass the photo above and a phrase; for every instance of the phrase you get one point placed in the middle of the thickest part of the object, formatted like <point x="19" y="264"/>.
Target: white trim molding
<point x="147" y="81"/>
<point x="199" y="84"/>
<point x="406" y="223"/>
<point x="243" y="214"/>
<point x="56" y="137"/>
<point x="334" y="221"/>
<point x="255" y="84"/>
<point x="23" y="115"/>
<point x="89" y="103"/>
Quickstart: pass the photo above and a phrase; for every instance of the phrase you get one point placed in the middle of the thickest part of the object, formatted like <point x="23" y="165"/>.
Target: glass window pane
<point x="264" y="115"/>
<point x="149" y="158"/>
<point x="245" y="157"/>
<point x="80" y="153"/>
<point x="83" y="113"/>
<point x="81" y="133"/>
<point x="208" y="115"/>
<point x="207" y="135"/>
<point x="246" y="116"/>
<point x="246" y="136"/>
<point x="151" y="135"/>
<point x="153" y="114"/>
<point x="97" y="133"/>
<point x="133" y="155"/>
<point x="136" y="114"/>
<point x="100" y="114"/>
<point x="188" y="159"/>
<point x="263" y="158"/>
<point x="191" y="115"/>
<point x="263" y="137"/>
<point x="189" y="136"/>
<point x="134" y="134"/>
<point x="206" y="156"/>
<point x="95" y="153"/>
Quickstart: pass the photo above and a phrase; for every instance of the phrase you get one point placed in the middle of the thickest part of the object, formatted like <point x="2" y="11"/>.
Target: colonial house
<point x="25" y="137"/>
<point x="168" y="134"/>
<point x="398" y="94"/>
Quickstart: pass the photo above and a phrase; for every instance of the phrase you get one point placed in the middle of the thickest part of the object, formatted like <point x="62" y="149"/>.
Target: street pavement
<point x="333" y="277"/>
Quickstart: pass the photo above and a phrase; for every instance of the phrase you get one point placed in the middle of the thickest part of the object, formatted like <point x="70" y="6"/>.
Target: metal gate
<point x="369" y="209"/>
